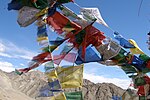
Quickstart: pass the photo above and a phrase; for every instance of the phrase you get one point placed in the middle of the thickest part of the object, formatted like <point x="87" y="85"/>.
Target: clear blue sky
<point x="17" y="43"/>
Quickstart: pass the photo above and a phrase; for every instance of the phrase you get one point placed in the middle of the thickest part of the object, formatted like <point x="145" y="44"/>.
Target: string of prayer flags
<point x="42" y="36"/>
<point x="77" y="34"/>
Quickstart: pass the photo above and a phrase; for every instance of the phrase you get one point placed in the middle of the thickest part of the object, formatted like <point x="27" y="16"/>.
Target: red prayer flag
<point x="70" y="57"/>
<point x="94" y="36"/>
<point x="39" y="59"/>
<point x="58" y="21"/>
<point x="43" y="56"/>
<point x="141" y="91"/>
<point x="58" y="58"/>
<point x="148" y="64"/>
<point x="147" y="79"/>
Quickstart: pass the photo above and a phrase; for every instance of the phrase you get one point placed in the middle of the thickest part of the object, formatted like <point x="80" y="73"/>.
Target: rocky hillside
<point x="27" y="87"/>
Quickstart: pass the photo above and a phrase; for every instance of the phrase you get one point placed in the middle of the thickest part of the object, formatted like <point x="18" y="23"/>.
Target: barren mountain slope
<point x="28" y="86"/>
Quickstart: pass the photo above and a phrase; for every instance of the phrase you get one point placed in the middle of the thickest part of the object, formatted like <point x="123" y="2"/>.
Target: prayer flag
<point x="93" y="14"/>
<point x="27" y="16"/>
<point x="70" y="77"/>
<point x="123" y="42"/>
<point x="90" y="53"/>
<point x="74" y="95"/>
<point x="135" y="50"/>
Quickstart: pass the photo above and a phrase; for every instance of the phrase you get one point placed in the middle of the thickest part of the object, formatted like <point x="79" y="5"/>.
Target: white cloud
<point x="2" y="48"/>
<point x="5" y="55"/>
<point x="22" y="64"/>
<point x="6" y="66"/>
<point x="10" y="50"/>
<point x="123" y="83"/>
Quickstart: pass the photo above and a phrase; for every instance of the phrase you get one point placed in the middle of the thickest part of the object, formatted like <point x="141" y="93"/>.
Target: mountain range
<point x="28" y="85"/>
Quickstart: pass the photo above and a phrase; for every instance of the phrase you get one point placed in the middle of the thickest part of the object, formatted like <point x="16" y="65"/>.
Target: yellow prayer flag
<point x="135" y="50"/>
<point x="60" y="96"/>
<point x="42" y="12"/>
<point x="70" y="77"/>
<point x="52" y="74"/>
<point x="42" y="38"/>
<point x="52" y="98"/>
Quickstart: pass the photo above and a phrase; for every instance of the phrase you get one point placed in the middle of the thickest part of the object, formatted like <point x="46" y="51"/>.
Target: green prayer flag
<point x="49" y="66"/>
<point x="120" y="57"/>
<point x="74" y="95"/>
<point x="128" y="69"/>
<point x="144" y="57"/>
<point x="140" y="81"/>
<point x="49" y="48"/>
<point x="142" y="98"/>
